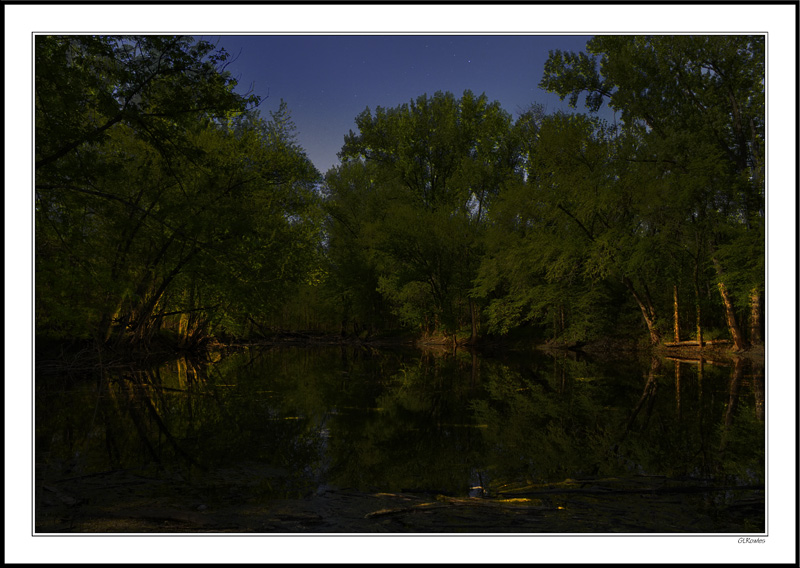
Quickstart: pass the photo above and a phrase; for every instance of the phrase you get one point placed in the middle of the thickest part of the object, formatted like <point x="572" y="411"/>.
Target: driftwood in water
<point x="538" y="497"/>
<point x="443" y="502"/>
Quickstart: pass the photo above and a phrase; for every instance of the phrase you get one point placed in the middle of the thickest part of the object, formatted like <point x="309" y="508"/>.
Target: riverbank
<point x="86" y="355"/>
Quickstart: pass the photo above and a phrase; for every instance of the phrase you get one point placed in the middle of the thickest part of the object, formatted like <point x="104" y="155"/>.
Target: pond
<point x="355" y="439"/>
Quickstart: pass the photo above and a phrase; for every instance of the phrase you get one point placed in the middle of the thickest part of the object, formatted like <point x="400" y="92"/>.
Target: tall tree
<point x="355" y="206"/>
<point x="698" y="105"/>
<point x="440" y="160"/>
<point x="561" y="242"/>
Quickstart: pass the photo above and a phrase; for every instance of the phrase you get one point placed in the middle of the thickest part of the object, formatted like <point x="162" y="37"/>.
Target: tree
<point x="560" y="243"/>
<point x="439" y="162"/>
<point x="180" y="208"/>
<point x="154" y="85"/>
<point x="355" y="207"/>
<point x="697" y="103"/>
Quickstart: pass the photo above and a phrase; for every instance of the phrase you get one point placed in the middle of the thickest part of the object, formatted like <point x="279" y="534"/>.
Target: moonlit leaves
<point x="569" y="74"/>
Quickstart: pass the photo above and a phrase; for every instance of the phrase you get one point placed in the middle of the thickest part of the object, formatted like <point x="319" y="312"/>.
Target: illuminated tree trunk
<point x="678" y="387"/>
<point x="105" y="326"/>
<point x="730" y="314"/>
<point x="183" y="327"/>
<point x="699" y="332"/>
<point x="699" y="326"/>
<point x="677" y="327"/>
<point x="647" y="312"/>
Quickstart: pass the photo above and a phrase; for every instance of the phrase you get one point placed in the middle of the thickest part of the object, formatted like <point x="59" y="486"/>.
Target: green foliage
<point x="678" y="185"/>
<point x="154" y="85"/>
<point x="182" y="209"/>
<point x="164" y="201"/>
<point x="424" y="175"/>
<point x="556" y="240"/>
<point x="570" y="74"/>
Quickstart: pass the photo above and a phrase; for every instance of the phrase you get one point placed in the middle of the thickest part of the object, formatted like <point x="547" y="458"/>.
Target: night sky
<point x="328" y="80"/>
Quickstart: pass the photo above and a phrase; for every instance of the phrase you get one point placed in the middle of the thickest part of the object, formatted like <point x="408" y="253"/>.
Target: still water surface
<point x="269" y="437"/>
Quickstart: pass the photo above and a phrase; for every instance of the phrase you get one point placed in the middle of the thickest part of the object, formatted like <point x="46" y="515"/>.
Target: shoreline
<point x="85" y="355"/>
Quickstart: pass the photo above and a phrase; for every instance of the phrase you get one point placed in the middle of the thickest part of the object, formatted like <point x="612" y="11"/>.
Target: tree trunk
<point x="141" y="319"/>
<point x="677" y="326"/>
<point x="730" y="317"/>
<point x="730" y="314"/>
<point x="698" y="312"/>
<point x="649" y="300"/>
<point x="647" y="313"/>
<point x="474" y="318"/>
<point x="183" y="328"/>
<point x="699" y="324"/>
<point x="104" y="328"/>
<point x="474" y="372"/>
<point x="678" y="387"/>
<point x="755" y="317"/>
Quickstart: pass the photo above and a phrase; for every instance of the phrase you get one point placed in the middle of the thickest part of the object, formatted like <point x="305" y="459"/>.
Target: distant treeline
<point x="168" y="209"/>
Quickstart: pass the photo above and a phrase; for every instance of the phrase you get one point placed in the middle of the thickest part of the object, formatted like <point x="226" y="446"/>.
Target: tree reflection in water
<point x="264" y="424"/>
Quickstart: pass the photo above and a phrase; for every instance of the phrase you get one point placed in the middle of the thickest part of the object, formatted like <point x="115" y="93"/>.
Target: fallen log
<point x="694" y="343"/>
<point x="442" y="502"/>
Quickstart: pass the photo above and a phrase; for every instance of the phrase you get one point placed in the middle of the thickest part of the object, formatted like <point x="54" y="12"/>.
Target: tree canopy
<point x="163" y="200"/>
<point x="167" y="207"/>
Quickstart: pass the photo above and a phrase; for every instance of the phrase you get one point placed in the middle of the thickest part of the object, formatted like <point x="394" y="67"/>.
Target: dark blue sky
<point x="328" y="80"/>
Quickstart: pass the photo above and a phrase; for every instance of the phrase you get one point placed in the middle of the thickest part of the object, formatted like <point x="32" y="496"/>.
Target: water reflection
<point x="288" y="422"/>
